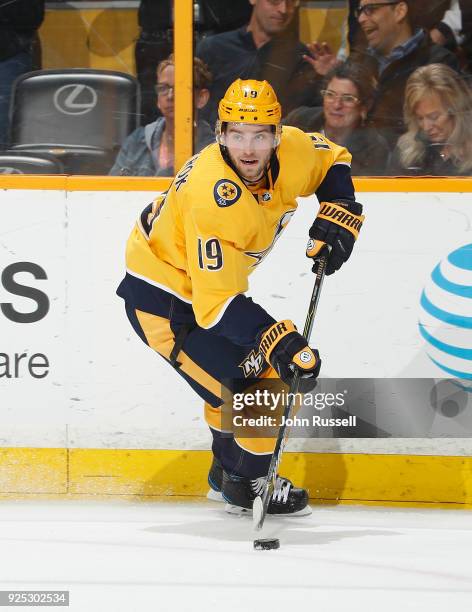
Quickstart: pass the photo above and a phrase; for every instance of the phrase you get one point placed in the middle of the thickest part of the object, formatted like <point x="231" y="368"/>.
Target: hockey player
<point x="191" y="252"/>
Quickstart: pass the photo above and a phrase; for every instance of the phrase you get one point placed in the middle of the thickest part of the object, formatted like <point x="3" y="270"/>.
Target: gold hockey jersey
<point x="202" y="239"/>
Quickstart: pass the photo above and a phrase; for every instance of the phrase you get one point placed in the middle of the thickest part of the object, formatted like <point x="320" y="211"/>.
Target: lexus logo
<point x="75" y="99"/>
<point x="10" y="170"/>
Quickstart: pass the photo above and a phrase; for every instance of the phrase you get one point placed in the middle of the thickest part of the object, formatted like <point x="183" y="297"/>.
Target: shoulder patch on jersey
<point x="319" y="142"/>
<point x="226" y="193"/>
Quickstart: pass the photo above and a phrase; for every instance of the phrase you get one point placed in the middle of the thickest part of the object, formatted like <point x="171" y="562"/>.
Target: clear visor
<point x="245" y="136"/>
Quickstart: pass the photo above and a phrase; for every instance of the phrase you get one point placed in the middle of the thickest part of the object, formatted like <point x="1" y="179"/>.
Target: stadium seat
<point x="80" y="116"/>
<point x="15" y="162"/>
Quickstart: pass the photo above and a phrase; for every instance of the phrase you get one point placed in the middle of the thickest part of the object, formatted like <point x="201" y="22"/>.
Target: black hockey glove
<point x="337" y="224"/>
<point x="286" y="350"/>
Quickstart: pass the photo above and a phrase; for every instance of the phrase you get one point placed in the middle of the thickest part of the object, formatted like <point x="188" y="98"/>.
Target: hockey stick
<point x="261" y="502"/>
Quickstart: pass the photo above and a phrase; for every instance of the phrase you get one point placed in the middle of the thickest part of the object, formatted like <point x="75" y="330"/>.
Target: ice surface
<point x="191" y="556"/>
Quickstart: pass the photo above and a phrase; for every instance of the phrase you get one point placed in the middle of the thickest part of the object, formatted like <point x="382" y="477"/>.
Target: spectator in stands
<point x="266" y="48"/>
<point x="149" y="150"/>
<point x="454" y="30"/>
<point x="438" y="113"/>
<point x="347" y="95"/>
<point x="397" y="45"/>
<point x="155" y="41"/>
<point x="19" y="22"/>
<point x="396" y="48"/>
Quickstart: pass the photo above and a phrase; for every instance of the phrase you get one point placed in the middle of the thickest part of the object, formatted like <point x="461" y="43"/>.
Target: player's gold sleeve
<point x="320" y="158"/>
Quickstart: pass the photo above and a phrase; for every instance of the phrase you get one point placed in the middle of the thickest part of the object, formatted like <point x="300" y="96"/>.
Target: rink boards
<point x="86" y="408"/>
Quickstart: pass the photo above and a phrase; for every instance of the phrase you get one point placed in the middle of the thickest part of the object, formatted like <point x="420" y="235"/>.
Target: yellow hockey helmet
<point x="252" y="102"/>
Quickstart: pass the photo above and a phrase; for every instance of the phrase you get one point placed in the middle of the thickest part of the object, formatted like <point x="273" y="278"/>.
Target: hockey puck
<point x="266" y="544"/>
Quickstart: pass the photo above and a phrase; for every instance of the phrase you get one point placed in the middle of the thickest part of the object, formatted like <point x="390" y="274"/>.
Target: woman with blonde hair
<point x="438" y="113"/>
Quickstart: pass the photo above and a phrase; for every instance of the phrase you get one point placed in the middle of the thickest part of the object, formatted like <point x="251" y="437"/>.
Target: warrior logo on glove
<point x="337" y="224"/>
<point x="339" y="215"/>
<point x="286" y="350"/>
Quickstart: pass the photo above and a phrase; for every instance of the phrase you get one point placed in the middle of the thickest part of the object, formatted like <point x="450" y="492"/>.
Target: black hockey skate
<point x="287" y="500"/>
<point x="215" y="480"/>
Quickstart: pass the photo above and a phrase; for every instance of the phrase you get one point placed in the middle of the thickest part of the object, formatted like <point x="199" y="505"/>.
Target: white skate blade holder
<point x="237" y="510"/>
<point x="213" y="495"/>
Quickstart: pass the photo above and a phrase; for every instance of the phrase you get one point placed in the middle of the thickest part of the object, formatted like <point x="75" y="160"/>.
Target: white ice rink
<point x="170" y="556"/>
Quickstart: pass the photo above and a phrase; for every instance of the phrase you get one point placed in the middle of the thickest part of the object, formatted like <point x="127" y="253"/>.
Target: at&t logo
<point x="446" y="315"/>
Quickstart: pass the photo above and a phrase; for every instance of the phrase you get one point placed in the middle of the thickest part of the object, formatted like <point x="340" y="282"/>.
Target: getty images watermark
<point x="261" y="400"/>
<point x="351" y="408"/>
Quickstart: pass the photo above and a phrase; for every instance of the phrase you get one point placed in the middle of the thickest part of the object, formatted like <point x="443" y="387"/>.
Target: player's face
<point x="434" y="119"/>
<point x="250" y="148"/>
<point x="341" y="105"/>
<point x="274" y="16"/>
<point x="165" y="93"/>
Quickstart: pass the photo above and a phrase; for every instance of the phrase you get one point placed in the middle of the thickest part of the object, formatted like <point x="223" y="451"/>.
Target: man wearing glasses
<point x="397" y="46"/>
<point x="266" y="48"/>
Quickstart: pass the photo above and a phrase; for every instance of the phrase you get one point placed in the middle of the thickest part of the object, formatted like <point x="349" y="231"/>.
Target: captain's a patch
<point x="226" y="193"/>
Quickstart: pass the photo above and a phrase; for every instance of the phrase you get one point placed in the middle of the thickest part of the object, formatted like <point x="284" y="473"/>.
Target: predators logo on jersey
<point x="253" y="364"/>
<point x="319" y="142"/>
<point x="226" y="193"/>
